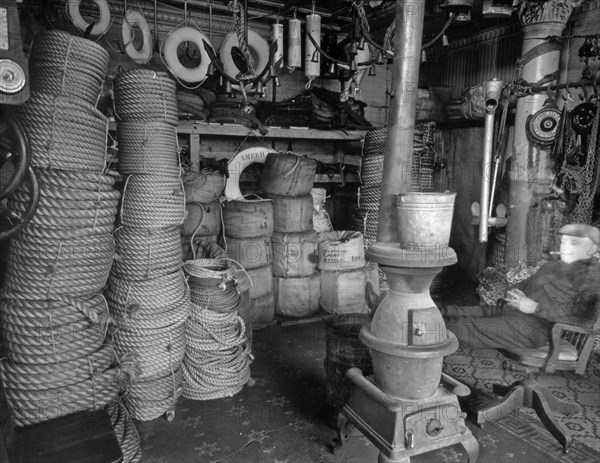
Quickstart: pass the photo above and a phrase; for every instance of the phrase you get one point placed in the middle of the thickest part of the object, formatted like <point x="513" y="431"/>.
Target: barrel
<point x="344" y="350"/>
<point x="261" y="281"/>
<point x="262" y="310"/>
<point x="287" y="174"/>
<point x="343" y="291"/>
<point x="248" y="218"/>
<point x="424" y="220"/>
<point x="297" y="297"/>
<point x="341" y="250"/>
<point x="202" y="219"/>
<point x="294" y="254"/>
<point x="203" y="187"/>
<point x="292" y="213"/>
<point x="250" y="253"/>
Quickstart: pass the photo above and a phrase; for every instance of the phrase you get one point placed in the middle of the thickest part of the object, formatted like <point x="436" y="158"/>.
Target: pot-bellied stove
<point x="409" y="406"/>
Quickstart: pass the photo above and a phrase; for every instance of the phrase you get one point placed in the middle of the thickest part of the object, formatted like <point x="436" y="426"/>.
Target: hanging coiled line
<point x="217" y="359"/>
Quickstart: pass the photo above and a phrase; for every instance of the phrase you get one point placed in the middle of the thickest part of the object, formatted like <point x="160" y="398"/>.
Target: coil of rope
<point x="62" y="64"/>
<point x="143" y="254"/>
<point x="150" y="201"/>
<point x="127" y="434"/>
<point x="217" y="360"/>
<point x="157" y="352"/>
<point x="144" y="95"/>
<point x="30" y="407"/>
<point x="50" y="376"/>
<point x="148" y="147"/>
<point x="63" y="134"/>
<point x="147" y="400"/>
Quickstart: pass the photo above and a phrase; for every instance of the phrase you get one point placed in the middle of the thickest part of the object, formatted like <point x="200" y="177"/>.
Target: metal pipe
<point x="397" y="162"/>
<point x="492" y="91"/>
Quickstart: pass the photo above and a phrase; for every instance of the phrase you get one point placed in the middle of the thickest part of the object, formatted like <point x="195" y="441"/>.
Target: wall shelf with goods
<point x="218" y="142"/>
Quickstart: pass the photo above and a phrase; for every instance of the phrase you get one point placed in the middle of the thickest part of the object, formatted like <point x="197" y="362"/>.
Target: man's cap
<point x="581" y="230"/>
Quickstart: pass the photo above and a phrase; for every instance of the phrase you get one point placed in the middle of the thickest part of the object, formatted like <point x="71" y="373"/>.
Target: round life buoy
<point x="136" y="18"/>
<point x="237" y="164"/>
<point x="170" y="45"/>
<point x="259" y="48"/>
<point x="101" y="25"/>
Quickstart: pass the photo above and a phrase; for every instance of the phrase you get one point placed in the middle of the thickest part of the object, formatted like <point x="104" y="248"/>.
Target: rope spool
<point x="202" y="219"/>
<point x="286" y="174"/>
<point x="145" y="95"/>
<point x="203" y="187"/>
<point x="139" y="55"/>
<point x="146" y="297"/>
<point x="169" y="48"/>
<point x="145" y="254"/>
<point x="297" y="297"/>
<point x="100" y="27"/>
<point x="148" y="148"/>
<point x="156" y="352"/>
<point x="61" y="64"/>
<point x="292" y="213"/>
<point x="369" y="197"/>
<point x="248" y="218"/>
<point x="64" y="135"/>
<point x="150" y="201"/>
<point x="294" y="254"/>
<point x="30" y="407"/>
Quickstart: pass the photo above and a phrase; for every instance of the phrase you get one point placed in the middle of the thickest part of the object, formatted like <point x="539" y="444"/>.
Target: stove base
<point x="402" y="428"/>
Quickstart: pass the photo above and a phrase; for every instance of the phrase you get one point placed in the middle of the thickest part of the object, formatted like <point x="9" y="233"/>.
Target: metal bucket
<point x="424" y="220"/>
<point x="344" y="351"/>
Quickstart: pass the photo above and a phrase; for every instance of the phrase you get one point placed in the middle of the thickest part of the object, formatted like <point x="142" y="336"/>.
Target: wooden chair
<point x="569" y="350"/>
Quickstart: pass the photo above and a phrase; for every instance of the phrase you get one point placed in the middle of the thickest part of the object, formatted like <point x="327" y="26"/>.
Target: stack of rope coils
<point x="371" y="173"/>
<point x="54" y="318"/>
<point x="217" y="355"/>
<point x="147" y="294"/>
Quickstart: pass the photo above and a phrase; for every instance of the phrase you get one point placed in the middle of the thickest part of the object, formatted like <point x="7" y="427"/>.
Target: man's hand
<point x="517" y="299"/>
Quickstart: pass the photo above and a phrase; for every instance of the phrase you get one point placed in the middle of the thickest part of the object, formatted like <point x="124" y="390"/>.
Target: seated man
<point x="560" y="291"/>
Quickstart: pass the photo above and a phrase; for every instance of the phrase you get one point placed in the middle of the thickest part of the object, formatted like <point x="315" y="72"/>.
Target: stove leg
<point x="384" y="459"/>
<point x="471" y="446"/>
<point x="340" y="426"/>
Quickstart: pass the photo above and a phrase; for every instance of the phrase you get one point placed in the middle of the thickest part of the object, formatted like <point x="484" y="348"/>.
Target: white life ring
<point x="169" y="47"/>
<point x="136" y="18"/>
<point x="237" y="164"/>
<point x="100" y="27"/>
<point x="259" y="48"/>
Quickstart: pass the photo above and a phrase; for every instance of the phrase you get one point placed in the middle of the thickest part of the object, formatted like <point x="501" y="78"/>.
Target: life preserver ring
<point x="237" y="164"/>
<point x="259" y="48"/>
<point x="136" y="18"/>
<point x="169" y="49"/>
<point x="100" y="27"/>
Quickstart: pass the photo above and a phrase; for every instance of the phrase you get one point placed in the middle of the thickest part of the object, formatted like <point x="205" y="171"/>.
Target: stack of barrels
<point x="247" y="231"/>
<point x="147" y="293"/>
<point x="287" y="180"/>
<point x="345" y="273"/>
<point x="54" y="318"/>
<point x="203" y="211"/>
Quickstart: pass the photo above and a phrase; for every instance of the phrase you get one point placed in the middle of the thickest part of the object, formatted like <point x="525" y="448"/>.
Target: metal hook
<point x="568" y="97"/>
<point x="549" y="92"/>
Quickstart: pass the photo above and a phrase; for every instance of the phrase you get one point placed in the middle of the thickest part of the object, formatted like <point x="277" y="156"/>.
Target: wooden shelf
<point x="236" y="130"/>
